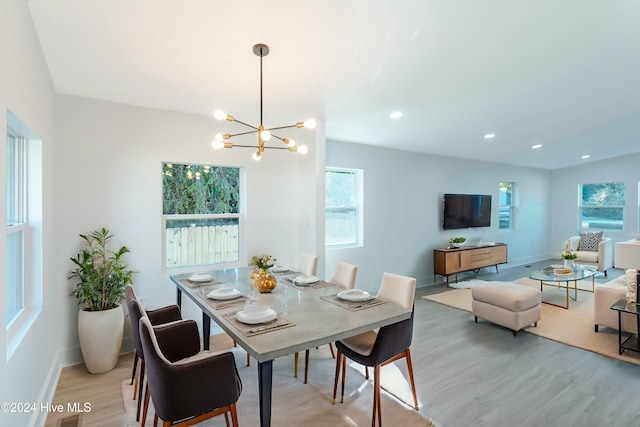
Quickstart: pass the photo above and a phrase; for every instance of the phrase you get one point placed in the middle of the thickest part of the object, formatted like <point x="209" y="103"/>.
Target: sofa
<point x="606" y="294"/>
<point x="602" y="258"/>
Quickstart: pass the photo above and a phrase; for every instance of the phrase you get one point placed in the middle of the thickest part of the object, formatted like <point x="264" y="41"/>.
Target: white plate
<point x="279" y="269"/>
<point x="200" y="278"/>
<point x="256" y="314"/>
<point x="224" y="293"/>
<point x="355" y="295"/>
<point x="306" y="280"/>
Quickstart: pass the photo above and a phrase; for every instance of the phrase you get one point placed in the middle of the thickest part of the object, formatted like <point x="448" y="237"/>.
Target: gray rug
<point x="298" y="404"/>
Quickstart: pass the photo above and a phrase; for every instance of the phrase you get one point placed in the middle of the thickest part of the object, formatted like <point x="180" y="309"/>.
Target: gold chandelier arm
<point x="242" y="133"/>
<point x="283" y="127"/>
<point x="246" y="124"/>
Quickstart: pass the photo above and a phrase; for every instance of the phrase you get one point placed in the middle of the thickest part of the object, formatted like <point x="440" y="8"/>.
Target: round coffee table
<point x="548" y="277"/>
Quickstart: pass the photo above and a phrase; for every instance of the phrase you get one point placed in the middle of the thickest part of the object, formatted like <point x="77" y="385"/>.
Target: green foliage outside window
<point x="200" y="189"/>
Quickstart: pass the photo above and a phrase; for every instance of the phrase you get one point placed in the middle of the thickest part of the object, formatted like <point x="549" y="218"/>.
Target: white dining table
<point x="317" y="321"/>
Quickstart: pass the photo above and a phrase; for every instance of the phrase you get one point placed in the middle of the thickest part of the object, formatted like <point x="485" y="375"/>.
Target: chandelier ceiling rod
<point x="264" y="134"/>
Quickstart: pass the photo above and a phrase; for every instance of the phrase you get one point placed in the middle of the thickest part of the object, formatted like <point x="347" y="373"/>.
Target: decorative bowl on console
<point x="456" y="242"/>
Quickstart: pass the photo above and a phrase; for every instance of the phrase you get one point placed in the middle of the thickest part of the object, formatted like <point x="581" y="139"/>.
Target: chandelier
<point x="264" y="134"/>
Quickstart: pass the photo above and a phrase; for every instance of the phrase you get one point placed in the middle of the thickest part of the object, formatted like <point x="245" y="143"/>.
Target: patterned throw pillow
<point x="589" y="241"/>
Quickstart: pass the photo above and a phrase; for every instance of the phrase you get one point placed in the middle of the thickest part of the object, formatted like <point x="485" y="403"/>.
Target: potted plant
<point x="456" y="242"/>
<point x="101" y="276"/>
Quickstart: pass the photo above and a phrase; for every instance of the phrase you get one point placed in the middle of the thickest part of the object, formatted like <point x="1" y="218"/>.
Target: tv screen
<point x="466" y="211"/>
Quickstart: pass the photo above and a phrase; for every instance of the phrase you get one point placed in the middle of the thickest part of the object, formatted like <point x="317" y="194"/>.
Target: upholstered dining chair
<point x="159" y="316"/>
<point x="384" y="346"/>
<point x="308" y="264"/>
<point x="345" y="276"/>
<point x="187" y="386"/>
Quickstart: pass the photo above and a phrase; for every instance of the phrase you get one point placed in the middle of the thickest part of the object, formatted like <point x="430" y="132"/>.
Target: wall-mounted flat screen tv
<point x="466" y="211"/>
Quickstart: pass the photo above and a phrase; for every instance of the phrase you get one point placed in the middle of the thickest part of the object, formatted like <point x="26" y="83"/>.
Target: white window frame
<point x="240" y="216"/>
<point x="30" y="226"/>
<point x="510" y="207"/>
<point x="357" y="208"/>
<point x="16" y="225"/>
<point x="581" y="207"/>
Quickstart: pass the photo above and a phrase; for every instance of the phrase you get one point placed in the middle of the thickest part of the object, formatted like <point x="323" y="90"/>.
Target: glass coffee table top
<point x="548" y="274"/>
<point x="553" y="275"/>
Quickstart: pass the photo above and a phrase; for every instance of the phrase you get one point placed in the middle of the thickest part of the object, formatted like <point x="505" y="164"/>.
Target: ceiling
<point x="563" y="74"/>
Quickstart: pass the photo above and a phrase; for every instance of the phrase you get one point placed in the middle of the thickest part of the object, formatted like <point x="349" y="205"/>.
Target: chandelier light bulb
<point x="265" y="135"/>
<point x="303" y="149"/>
<point x="219" y="115"/>
<point x="310" y="124"/>
<point x="291" y="142"/>
<point x="217" y="144"/>
<point x="257" y="156"/>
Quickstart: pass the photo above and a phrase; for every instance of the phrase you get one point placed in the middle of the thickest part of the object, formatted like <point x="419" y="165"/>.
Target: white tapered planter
<point x="100" y="334"/>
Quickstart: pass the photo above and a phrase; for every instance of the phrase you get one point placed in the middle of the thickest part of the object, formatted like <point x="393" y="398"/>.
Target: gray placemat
<point x="317" y="285"/>
<point x="260" y="328"/>
<point x="352" y="305"/>
<point x="221" y="304"/>
<point x="193" y="285"/>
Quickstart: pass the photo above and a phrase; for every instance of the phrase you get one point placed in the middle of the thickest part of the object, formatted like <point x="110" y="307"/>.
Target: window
<point x="602" y="206"/>
<point x="16" y="225"/>
<point x="23" y="229"/>
<point x="506" y="205"/>
<point x="343" y="207"/>
<point x="202" y="218"/>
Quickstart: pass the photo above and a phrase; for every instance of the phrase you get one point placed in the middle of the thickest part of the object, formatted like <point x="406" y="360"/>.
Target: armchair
<point x="187" y="386"/>
<point x="170" y="313"/>
<point x="602" y="258"/>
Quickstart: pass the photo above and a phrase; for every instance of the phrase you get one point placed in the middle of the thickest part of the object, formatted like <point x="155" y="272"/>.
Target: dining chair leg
<point x="140" y="387"/>
<point x="146" y="407"/>
<point x="410" y="372"/>
<point x="295" y="365"/>
<point x="306" y="365"/>
<point x="366" y="372"/>
<point x="226" y="418"/>
<point x="337" y="375"/>
<point x="344" y="376"/>
<point x="333" y="355"/>
<point x="376" y="397"/>
<point x="133" y="374"/>
<point x="234" y="415"/>
<point x="248" y="360"/>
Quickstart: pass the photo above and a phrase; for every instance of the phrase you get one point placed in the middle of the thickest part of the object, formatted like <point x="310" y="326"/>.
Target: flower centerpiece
<point x="262" y="262"/>
<point x="568" y="256"/>
<point x="262" y="278"/>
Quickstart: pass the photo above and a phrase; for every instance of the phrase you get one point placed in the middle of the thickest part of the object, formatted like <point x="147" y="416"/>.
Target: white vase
<point x="568" y="263"/>
<point x="100" y="334"/>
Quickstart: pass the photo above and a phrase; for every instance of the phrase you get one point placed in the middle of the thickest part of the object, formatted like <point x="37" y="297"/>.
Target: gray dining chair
<point x="345" y="276"/>
<point x="170" y="313"/>
<point x="187" y="386"/>
<point x="386" y="345"/>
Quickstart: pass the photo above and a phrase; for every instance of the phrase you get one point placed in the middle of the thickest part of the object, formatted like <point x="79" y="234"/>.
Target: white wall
<point x="403" y="210"/>
<point x="26" y="90"/>
<point x="566" y="196"/>
<point x="109" y="174"/>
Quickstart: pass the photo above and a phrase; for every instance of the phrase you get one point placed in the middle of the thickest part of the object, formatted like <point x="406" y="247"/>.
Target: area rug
<point x="573" y="326"/>
<point x="299" y="404"/>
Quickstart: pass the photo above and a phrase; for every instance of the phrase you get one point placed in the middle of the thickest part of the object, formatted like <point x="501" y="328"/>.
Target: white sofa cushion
<point x="631" y="282"/>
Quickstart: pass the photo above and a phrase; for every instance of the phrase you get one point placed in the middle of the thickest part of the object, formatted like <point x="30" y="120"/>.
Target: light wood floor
<point x="466" y="374"/>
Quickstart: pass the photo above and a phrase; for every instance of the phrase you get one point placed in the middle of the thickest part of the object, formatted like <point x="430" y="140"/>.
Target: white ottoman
<point x="506" y="304"/>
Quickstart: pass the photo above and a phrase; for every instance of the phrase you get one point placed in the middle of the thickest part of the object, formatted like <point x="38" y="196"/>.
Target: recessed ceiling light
<point x="586" y="156"/>
<point x="535" y="147"/>
<point x="396" y="114"/>
<point x="489" y="135"/>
